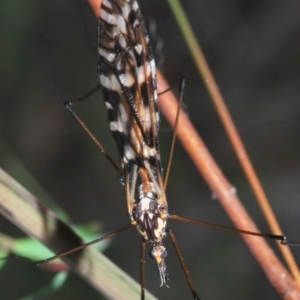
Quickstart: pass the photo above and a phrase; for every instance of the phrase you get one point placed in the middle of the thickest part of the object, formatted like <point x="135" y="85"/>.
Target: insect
<point x="128" y="79"/>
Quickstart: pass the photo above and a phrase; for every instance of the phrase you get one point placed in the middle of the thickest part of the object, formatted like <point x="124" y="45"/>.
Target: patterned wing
<point x="127" y="74"/>
<point x="128" y="78"/>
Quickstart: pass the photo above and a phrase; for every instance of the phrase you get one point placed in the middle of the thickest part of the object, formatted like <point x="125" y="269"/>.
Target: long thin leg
<point x="129" y="200"/>
<point x="68" y="106"/>
<point x="281" y="238"/>
<point x="107" y="236"/>
<point x="172" y="144"/>
<point x="183" y="266"/>
<point x="86" y="96"/>
<point x="142" y="268"/>
<point x="92" y="137"/>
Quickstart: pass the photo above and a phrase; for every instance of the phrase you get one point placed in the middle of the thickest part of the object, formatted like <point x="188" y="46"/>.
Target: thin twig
<point x="279" y="277"/>
<point x="233" y="135"/>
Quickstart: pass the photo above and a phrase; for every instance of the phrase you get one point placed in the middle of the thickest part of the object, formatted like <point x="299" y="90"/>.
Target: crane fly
<point x="128" y="78"/>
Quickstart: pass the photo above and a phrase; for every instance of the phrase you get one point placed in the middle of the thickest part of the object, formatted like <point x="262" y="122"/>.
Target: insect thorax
<point x="151" y="217"/>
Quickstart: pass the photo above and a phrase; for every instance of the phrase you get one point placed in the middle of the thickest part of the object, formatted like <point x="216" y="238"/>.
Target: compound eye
<point x="158" y="253"/>
<point x="164" y="254"/>
<point x="151" y="255"/>
<point x="121" y="180"/>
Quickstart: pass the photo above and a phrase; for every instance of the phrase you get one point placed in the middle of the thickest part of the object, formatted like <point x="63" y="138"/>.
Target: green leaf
<point x="34" y="250"/>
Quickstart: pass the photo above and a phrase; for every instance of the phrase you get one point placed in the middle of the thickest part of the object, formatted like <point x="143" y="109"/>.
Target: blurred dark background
<point x="48" y="56"/>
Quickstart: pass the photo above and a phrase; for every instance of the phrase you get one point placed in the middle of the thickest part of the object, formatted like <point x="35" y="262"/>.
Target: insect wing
<point x="127" y="74"/>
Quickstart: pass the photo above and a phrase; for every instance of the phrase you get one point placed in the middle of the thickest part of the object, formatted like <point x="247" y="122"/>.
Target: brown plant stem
<point x="232" y="132"/>
<point x="279" y="277"/>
